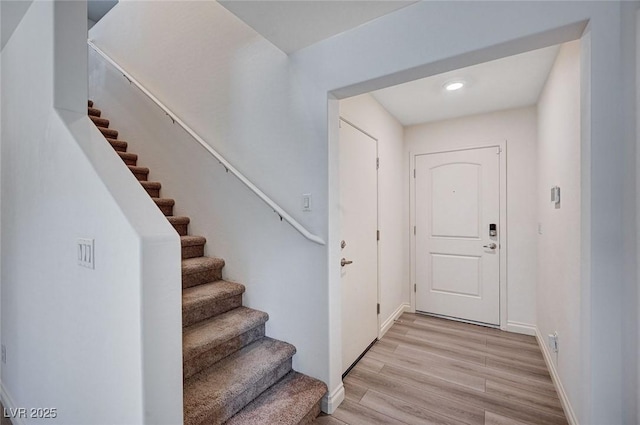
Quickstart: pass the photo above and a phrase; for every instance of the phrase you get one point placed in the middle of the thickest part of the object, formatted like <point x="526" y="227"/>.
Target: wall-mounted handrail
<point x="228" y="167"/>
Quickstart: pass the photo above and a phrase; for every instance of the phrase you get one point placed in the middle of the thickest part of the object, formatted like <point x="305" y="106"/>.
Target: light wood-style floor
<point x="427" y="370"/>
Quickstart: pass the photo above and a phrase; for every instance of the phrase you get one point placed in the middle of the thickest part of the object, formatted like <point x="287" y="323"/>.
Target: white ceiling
<point x="511" y="82"/>
<point x="293" y="25"/>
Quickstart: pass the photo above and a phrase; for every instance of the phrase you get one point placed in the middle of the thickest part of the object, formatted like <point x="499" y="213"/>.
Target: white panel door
<point x="457" y="199"/>
<point x="359" y="219"/>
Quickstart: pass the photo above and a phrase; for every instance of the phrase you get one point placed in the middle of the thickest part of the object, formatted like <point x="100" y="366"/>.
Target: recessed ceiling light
<point x="454" y="85"/>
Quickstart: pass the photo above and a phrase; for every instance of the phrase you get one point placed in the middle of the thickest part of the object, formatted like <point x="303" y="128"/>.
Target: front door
<point x="457" y="218"/>
<point x="359" y="220"/>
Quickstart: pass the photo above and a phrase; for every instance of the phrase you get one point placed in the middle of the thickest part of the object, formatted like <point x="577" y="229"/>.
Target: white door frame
<point x="503" y="220"/>
<point x="375" y="139"/>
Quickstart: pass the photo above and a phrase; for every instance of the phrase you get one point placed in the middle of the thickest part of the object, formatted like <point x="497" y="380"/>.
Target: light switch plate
<point x="86" y="253"/>
<point x="306" y="202"/>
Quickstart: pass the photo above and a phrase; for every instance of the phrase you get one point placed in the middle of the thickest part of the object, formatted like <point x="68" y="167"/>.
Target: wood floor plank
<point x="511" y="335"/>
<point x="531" y="371"/>
<point x="541" y="402"/>
<point x="406" y="412"/>
<point x="453" y="332"/>
<point x="443" y="350"/>
<point x="426" y="400"/>
<point x="353" y="391"/>
<point x="446" y="323"/>
<point x="356" y="414"/>
<point x="370" y="362"/>
<point x="495" y="419"/>
<point x="432" y="369"/>
<point x="327" y="420"/>
<point x="385" y="344"/>
<point x="444" y="338"/>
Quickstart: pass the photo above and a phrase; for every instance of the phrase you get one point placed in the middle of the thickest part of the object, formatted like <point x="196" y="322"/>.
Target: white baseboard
<point x="402" y="308"/>
<point x="330" y="402"/>
<point x="8" y="404"/>
<point x="521" y="328"/>
<point x="555" y="377"/>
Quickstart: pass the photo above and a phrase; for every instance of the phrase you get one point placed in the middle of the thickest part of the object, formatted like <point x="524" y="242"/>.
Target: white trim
<point x="8" y="403"/>
<point x="330" y="402"/>
<point x="555" y="377"/>
<point x="521" y="328"/>
<point x="402" y="308"/>
<point x="230" y="168"/>
<point x="502" y="144"/>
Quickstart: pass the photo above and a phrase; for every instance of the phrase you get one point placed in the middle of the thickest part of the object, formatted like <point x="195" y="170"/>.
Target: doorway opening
<point x="466" y="162"/>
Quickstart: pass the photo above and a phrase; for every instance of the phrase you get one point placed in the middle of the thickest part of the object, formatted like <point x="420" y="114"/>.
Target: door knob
<point x="344" y="262"/>
<point x="490" y="246"/>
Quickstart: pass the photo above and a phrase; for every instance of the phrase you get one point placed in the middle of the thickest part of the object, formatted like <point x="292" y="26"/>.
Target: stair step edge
<point x="191" y="240"/>
<point x="208" y="334"/>
<point x="288" y="402"/>
<point x="197" y="296"/>
<point x="198" y="264"/>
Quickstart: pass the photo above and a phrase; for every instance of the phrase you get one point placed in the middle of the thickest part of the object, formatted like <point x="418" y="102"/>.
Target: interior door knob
<point x="490" y="246"/>
<point x="344" y="262"/>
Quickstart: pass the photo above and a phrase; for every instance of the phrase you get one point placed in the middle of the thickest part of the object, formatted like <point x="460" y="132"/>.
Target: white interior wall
<point x="91" y="343"/>
<point x="518" y="128"/>
<point x="366" y="113"/>
<point x="559" y="283"/>
<point x="297" y="160"/>
<point x="241" y="97"/>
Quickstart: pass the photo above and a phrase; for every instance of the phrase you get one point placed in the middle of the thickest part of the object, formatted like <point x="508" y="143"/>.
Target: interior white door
<point x="457" y="200"/>
<point x="359" y="220"/>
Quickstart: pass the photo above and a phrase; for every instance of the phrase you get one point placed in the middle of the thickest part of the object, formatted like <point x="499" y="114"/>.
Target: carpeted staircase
<point x="233" y="373"/>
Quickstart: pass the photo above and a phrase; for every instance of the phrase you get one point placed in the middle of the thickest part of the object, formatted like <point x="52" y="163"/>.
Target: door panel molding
<point x="501" y="147"/>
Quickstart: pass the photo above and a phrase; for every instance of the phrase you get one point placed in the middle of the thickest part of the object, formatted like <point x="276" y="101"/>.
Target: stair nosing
<point x="192" y="240"/>
<point x="192" y="265"/>
<point x="191" y="300"/>
<point x="254" y="318"/>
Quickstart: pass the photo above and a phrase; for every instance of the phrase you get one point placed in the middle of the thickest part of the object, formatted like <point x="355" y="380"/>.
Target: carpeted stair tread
<point x="199" y="270"/>
<point x="210" y="333"/>
<point x="179" y="223"/>
<point x="128" y="158"/>
<point x="100" y="122"/>
<point x="175" y="219"/>
<point x="192" y="246"/>
<point x="217" y="393"/>
<point x="165" y="205"/>
<point x="118" y="145"/>
<point x="164" y="201"/>
<point x="108" y="132"/>
<point x="189" y="240"/>
<point x="152" y="188"/>
<point x="93" y="112"/>
<point x="210" y="299"/>
<point x="141" y="173"/>
<point x="288" y="402"/>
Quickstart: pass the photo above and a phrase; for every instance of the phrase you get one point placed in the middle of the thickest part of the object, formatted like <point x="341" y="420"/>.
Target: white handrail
<point x="276" y="208"/>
